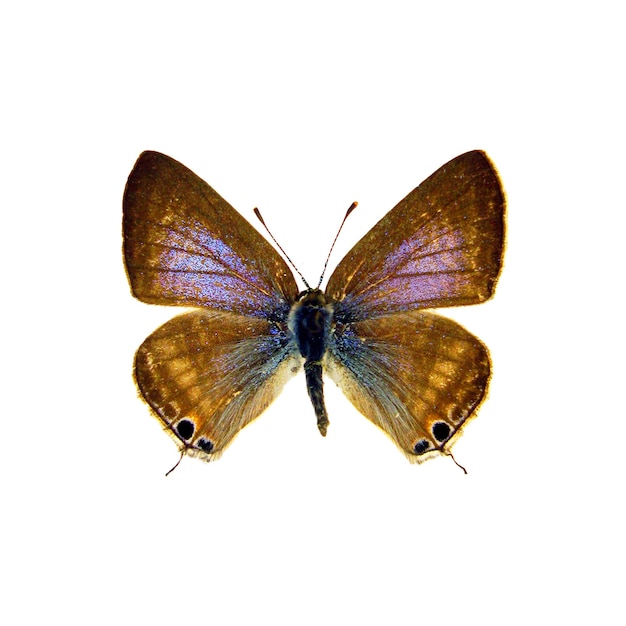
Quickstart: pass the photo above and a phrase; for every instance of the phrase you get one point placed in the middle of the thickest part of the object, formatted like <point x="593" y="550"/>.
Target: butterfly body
<point x="310" y="324"/>
<point x="417" y="375"/>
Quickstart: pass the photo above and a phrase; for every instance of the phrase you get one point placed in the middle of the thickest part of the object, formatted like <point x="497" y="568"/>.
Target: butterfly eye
<point x="185" y="429"/>
<point x="205" y="444"/>
<point x="441" y="431"/>
<point x="421" y="446"/>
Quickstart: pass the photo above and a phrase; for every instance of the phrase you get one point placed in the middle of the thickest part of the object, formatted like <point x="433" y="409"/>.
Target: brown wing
<point x="185" y="245"/>
<point x="207" y="374"/>
<point x="440" y="246"/>
<point x="418" y="376"/>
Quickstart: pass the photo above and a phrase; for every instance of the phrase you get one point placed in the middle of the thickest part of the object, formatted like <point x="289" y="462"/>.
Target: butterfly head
<point x="312" y="297"/>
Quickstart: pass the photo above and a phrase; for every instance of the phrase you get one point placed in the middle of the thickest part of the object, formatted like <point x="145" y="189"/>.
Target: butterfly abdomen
<point x="309" y="321"/>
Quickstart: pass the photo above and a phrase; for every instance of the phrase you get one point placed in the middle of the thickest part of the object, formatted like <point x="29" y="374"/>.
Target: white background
<point x="301" y="108"/>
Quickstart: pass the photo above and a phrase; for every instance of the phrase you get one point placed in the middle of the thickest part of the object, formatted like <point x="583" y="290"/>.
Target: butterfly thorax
<point x="309" y="321"/>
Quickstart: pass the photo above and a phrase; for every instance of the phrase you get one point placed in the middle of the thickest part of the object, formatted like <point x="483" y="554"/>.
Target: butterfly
<point x="418" y="376"/>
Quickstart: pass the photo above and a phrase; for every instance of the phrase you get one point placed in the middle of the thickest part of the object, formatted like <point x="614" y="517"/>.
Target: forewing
<point x="185" y="245"/>
<point x="207" y="374"/>
<point x="418" y="376"/>
<point x="440" y="246"/>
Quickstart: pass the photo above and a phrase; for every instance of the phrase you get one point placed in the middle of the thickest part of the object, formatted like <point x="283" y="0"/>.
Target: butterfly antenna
<point x="345" y="217"/>
<point x="455" y="462"/>
<point x="260" y="218"/>
<point x="182" y="454"/>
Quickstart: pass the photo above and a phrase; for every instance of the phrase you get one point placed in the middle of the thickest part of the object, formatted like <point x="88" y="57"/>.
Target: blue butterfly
<point x="416" y="375"/>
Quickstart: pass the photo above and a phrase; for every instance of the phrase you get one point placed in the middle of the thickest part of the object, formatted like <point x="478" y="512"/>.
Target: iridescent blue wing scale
<point x="418" y="376"/>
<point x="441" y="246"/>
<point x="185" y="245"/>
